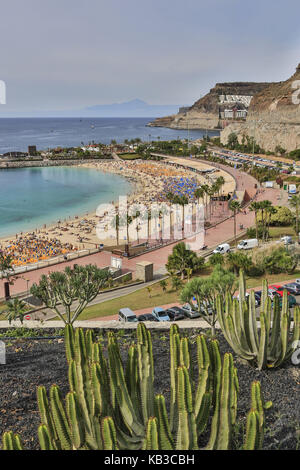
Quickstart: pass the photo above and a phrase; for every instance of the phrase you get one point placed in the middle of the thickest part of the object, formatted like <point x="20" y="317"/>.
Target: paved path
<point x="213" y="237"/>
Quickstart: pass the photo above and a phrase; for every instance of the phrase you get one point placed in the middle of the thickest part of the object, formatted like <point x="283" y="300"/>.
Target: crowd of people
<point x="31" y="249"/>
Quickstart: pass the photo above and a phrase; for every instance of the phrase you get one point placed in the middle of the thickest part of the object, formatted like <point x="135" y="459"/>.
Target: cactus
<point x="112" y="407"/>
<point x="272" y="346"/>
<point x="255" y="419"/>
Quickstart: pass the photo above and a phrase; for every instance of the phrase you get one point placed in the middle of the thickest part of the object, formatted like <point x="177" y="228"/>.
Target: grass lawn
<point x="277" y="232"/>
<point x="141" y="298"/>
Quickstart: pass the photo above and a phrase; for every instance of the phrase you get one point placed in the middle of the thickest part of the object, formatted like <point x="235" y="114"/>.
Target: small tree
<point x="182" y="258"/>
<point x="237" y="261"/>
<point x="163" y="284"/>
<point x="81" y="284"/>
<point x="216" y="259"/>
<point x="16" y="310"/>
<point x="176" y="283"/>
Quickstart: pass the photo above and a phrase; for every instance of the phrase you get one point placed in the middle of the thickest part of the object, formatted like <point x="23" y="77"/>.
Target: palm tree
<point x="16" y="310"/>
<point x="170" y="198"/>
<point x="182" y="201"/>
<point x="255" y="207"/>
<point x="265" y="207"/>
<point x="205" y="188"/>
<point x="116" y="225"/>
<point x="199" y="194"/>
<point x="234" y="206"/>
<point x="295" y="203"/>
<point x="181" y="259"/>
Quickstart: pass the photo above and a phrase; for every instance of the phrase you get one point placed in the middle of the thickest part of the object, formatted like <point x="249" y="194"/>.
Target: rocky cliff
<point x="206" y="113"/>
<point x="273" y="117"/>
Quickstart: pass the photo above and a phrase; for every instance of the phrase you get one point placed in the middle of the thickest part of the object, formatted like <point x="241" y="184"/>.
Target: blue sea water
<point x="31" y="197"/>
<point x="17" y="133"/>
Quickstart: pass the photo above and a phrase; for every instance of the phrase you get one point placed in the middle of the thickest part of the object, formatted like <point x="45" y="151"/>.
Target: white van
<point x="248" y="244"/>
<point x="224" y="248"/>
<point x="127" y="315"/>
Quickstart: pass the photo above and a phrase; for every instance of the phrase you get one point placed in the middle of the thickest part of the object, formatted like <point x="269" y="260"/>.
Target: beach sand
<point x="147" y="178"/>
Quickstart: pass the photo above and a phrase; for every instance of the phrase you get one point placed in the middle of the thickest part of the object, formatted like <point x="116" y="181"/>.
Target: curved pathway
<point x="214" y="236"/>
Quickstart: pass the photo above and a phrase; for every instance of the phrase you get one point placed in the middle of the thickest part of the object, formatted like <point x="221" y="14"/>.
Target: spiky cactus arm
<point x="133" y="381"/>
<point x="11" y="441"/>
<point x="215" y="387"/>
<point x="45" y="439"/>
<point x="89" y="341"/>
<point x="251" y="441"/>
<point x="226" y="401"/>
<point x="263" y="345"/>
<point x="69" y="335"/>
<point x="123" y="400"/>
<point x="79" y="374"/>
<point x="46" y="417"/>
<point x="252" y="324"/>
<point x="258" y="405"/>
<point x="76" y="421"/>
<point x="146" y="371"/>
<point x="187" y="430"/>
<point x="174" y="363"/>
<point x="60" y="420"/>
<point x="230" y="322"/>
<point x="202" y="395"/>
<point x="151" y="440"/>
<point x="165" y="437"/>
<point x="109" y="434"/>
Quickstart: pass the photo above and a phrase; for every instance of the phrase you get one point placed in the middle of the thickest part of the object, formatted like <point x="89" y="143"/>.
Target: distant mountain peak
<point x="133" y="108"/>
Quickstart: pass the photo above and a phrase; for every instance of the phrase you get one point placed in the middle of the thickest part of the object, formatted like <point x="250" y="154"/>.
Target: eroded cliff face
<point x="274" y="116"/>
<point x="206" y="112"/>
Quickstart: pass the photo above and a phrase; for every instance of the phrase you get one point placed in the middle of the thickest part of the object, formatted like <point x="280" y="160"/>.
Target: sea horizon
<point x="17" y="133"/>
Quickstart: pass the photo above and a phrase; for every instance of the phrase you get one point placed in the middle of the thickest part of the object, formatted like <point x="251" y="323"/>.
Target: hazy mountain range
<point x="133" y="108"/>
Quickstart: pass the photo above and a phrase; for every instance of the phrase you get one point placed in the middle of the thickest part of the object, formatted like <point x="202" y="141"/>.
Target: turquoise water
<point x="31" y="197"/>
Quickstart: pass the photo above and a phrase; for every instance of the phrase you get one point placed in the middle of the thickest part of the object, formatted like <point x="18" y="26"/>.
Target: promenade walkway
<point x="213" y="236"/>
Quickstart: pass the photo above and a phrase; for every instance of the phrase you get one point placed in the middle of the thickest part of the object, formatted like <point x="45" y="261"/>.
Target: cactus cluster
<point x="113" y="407"/>
<point x="271" y="344"/>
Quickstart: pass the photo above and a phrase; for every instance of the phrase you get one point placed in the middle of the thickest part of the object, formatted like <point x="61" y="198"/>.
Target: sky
<point x="70" y="54"/>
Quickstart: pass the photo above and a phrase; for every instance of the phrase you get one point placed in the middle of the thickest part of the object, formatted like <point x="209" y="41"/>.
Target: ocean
<point x="16" y="134"/>
<point x="32" y="197"/>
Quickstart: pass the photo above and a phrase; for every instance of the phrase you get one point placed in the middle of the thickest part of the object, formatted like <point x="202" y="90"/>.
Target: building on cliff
<point x="273" y="117"/>
<point x="226" y="101"/>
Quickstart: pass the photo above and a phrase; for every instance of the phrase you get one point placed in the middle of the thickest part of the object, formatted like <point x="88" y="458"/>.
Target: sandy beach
<point x="150" y="181"/>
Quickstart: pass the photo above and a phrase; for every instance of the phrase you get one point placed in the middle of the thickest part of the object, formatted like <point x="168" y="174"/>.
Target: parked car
<point x="127" y="315"/>
<point x="280" y="289"/>
<point x="175" y="313"/>
<point x="287" y="240"/>
<point x="147" y="317"/>
<point x="293" y="288"/>
<point x="190" y="312"/>
<point x="160" y="314"/>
